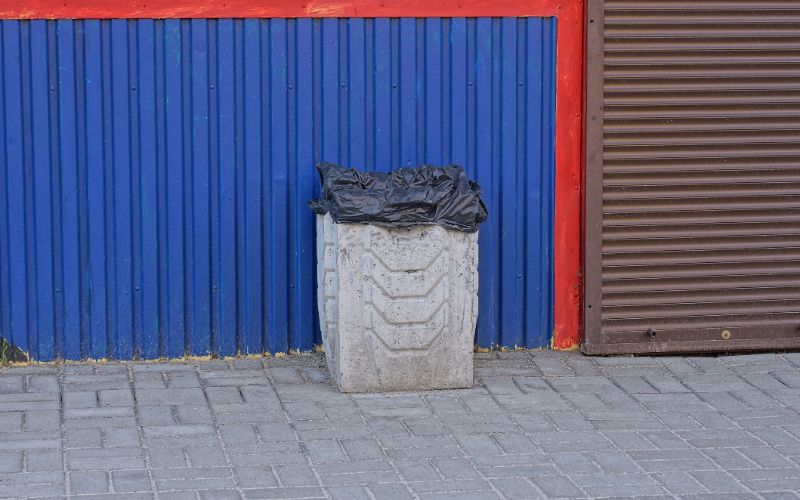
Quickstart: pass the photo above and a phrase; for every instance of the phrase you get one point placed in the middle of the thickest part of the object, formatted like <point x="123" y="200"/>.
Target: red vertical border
<point x="568" y="237"/>
<point x="567" y="230"/>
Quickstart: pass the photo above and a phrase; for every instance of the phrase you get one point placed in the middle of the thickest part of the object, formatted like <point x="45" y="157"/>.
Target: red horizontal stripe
<point x="104" y="9"/>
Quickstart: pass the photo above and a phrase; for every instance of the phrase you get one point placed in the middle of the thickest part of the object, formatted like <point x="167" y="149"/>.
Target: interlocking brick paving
<point x="536" y="425"/>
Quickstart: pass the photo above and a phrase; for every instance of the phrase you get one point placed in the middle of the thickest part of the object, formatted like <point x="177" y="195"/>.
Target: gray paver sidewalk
<point x="539" y="425"/>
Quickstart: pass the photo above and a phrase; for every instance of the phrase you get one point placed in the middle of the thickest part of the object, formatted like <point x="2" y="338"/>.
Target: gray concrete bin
<point x="398" y="305"/>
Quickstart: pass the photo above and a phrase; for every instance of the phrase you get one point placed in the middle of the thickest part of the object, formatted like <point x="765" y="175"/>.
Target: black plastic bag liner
<point x="406" y="197"/>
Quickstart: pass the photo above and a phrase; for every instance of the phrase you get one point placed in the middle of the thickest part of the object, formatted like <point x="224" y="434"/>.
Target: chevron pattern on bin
<point x="397" y="307"/>
<point x="410" y="336"/>
<point x="408" y="282"/>
<point x="412" y="249"/>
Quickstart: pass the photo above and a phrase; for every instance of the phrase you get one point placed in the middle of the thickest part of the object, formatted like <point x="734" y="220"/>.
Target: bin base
<point x="397" y="307"/>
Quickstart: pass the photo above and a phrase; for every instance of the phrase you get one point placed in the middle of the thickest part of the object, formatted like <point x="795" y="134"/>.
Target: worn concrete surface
<point x="397" y="307"/>
<point x="541" y="425"/>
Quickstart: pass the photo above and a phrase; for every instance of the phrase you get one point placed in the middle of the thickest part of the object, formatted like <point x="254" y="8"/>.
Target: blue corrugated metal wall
<point x="154" y="174"/>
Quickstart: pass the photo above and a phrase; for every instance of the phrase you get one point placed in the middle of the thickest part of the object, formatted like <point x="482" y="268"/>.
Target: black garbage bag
<point x="406" y="197"/>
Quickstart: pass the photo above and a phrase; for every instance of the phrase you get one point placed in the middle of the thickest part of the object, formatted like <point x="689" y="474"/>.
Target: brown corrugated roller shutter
<point x="693" y="176"/>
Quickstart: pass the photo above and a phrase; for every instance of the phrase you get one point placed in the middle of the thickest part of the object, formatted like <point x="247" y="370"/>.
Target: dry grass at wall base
<point x="9" y="353"/>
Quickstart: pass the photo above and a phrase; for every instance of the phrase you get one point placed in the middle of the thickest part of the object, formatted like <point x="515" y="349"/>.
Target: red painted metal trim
<point x="569" y="174"/>
<point x="104" y="9"/>
<point x="569" y="90"/>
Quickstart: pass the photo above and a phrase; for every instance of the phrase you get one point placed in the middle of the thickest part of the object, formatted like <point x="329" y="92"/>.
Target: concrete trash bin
<point x="397" y="306"/>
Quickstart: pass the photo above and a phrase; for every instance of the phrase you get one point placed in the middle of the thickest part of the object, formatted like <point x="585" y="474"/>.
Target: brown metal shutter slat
<point x="693" y="176"/>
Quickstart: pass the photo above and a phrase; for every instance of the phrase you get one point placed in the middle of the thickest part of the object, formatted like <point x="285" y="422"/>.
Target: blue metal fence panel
<point x="154" y="173"/>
